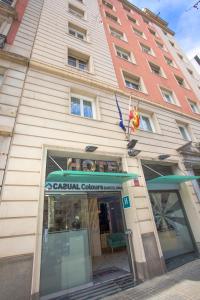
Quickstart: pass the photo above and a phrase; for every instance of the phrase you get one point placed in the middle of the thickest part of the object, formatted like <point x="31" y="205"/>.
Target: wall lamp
<point x="163" y="156"/>
<point x="131" y="144"/>
<point x="90" y="148"/>
<point x="133" y="152"/>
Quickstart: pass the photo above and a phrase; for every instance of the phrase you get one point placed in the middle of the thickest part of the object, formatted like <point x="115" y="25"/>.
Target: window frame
<point x="196" y="110"/>
<point x="186" y="131"/>
<point x="84" y="33"/>
<point x="166" y="60"/>
<point x="169" y="92"/>
<point x="75" y="13"/>
<point x="80" y="57"/>
<point x="112" y="17"/>
<point x="149" y="117"/>
<point x="137" y="32"/>
<point x="159" y="43"/>
<point x="130" y="77"/>
<point x="114" y="30"/>
<point x="119" y="49"/>
<point x="183" y="84"/>
<point x="153" y="32"/>
<point x="82" y="98"/>
<point x="132" y="20"/>
<point x="108" y="4"/>
<point x="146" y="46"/>
<point x="161" y="72"/>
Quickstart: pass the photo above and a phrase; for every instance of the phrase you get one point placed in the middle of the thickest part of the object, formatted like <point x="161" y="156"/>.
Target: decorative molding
<point x="5" y="131"/>
<point x="151" y="16"/>
<point x="13" y="57"/>
<point x="43" y="67"/>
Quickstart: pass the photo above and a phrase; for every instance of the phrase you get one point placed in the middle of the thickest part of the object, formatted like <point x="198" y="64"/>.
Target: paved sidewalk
<point x="180" y="284"/>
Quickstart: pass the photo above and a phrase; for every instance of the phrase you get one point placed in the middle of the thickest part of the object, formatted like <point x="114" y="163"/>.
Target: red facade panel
<point x="141" y="66"/>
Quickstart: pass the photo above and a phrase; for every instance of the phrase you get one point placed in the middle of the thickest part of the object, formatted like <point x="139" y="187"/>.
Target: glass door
<point x="171" y="223"/>
<point x="66" y="260"/>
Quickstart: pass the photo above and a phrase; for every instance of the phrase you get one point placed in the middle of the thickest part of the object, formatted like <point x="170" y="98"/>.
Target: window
<point x="123" y="53"/>
<point x="109" y="5"/>
<point x="138" y="32"/>
<point x="194" y="107"/>
<point x="82" y="107"/>
<point x="184" y="132"/>
<point x="165" y="33"/>
<point x="126" y="8"/>
<point x="78" y="60"/>
<point x="180" y="81"/>
<point x="8" y="2"/>
<point x="155" y="69"/>
<point x="172" y="44"/>
<point x="146" y="21"/>
<point x="160" y="45"/>
<point x="168" y="96"/>
<point x="152" y="32"/>
<point x="132" y="81"/>
<point x="146" y="49"/>
<point x="77" y="31"/>
<point x="111" y="17"/>
<point x="169" y="61"/>
<point x="76" y="11"/>
<point x="116" y="33"/>
<point x="2" y="75"/>
<point x="190" y="72"/>
<point x="146" y="123"/>
<point x="180" y="56"/>
<point x="134" y="21"/>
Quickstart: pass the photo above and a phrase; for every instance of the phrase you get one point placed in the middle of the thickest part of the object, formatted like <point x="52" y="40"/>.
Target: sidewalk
<point x="180" y="284"/>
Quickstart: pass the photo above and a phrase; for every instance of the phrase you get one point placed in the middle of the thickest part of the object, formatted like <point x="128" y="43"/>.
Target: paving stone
<point x="180" y="284"/>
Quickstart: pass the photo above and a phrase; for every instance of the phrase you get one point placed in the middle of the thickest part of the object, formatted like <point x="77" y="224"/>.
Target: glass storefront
<point x="66" y="260"/>
<point x="84" y="241"/>
<point x="171" y="223"/>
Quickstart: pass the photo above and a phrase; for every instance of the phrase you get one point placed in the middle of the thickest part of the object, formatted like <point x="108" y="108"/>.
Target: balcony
<point x="7" y="2"/>
<point x="7" y="9"/>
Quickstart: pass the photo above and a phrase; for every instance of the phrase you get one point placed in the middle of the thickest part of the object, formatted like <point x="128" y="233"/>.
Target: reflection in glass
<point x="87" y="109"/>
<point x="171" y="224"/>
<point x="66" y="259"/>
<point x="75" y="106"/>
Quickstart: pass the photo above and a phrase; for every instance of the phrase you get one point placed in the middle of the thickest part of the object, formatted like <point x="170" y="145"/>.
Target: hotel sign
<point x="80" y="187"/>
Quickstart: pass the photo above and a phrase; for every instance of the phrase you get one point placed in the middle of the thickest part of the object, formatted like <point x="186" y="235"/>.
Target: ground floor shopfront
<point x="92" y="229"/>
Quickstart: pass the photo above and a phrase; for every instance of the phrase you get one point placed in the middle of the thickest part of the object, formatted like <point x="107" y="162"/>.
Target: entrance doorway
<point x="173" y="229"/>
<point x="84" y="241"/>
<point x="108" y="240"/>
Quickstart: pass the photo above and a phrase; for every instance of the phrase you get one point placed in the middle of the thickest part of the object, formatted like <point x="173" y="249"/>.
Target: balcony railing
<point x="7" y="2"/>
<point x="2" y="41"/>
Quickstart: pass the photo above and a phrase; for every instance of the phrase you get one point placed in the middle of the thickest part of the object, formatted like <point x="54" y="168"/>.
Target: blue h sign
<point x="126" y="202"/>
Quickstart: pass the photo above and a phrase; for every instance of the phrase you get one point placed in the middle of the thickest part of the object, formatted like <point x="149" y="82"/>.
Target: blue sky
<point x="183" y="19"/>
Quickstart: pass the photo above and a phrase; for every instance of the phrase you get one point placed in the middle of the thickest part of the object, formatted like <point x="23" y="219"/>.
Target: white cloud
<point x="187" y="32"/>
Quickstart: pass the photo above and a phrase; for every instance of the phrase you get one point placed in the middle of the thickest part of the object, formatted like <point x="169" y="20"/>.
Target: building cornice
<point x="13" y="57"/>
<point x="40" y="66"/>
<point x="150" y="16"/>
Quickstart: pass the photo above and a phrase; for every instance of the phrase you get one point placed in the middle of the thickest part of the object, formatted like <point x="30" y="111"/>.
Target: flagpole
<point x="129" y="108"/>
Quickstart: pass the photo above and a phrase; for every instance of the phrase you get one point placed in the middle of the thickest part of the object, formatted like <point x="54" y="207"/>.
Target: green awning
<point x="172" y="179"/>
<point x="90" y="177"/>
